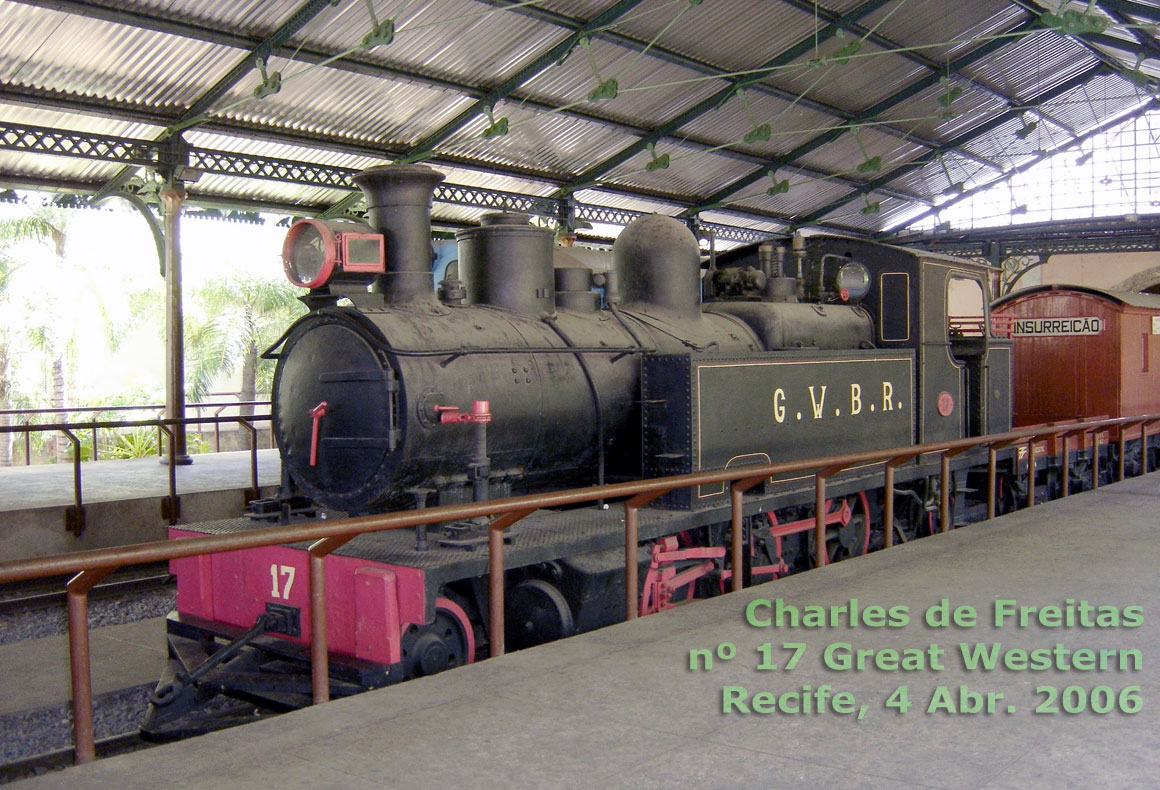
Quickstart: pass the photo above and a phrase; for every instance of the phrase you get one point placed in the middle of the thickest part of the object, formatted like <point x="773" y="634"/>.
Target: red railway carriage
<point x="1082" y="351"/>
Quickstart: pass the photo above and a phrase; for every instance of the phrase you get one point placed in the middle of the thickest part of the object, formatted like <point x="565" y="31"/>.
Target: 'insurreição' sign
<point x="1057" y="327"/>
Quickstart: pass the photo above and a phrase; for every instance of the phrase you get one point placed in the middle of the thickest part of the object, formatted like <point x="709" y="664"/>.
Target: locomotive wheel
<point x="536" y="613"/>
<point x="445" y="643"/>
<point x="853" y="538"/>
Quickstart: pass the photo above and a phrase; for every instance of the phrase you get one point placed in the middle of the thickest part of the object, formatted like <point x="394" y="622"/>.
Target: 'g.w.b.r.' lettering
<point x="813" y="402"/>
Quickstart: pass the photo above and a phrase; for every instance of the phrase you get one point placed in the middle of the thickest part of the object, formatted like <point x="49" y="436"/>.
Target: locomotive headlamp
<point x="853" y="281"/>
<point x="318" y="250"/>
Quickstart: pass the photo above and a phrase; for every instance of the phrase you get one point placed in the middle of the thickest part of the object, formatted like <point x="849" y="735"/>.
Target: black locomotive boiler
<point x="520" y="375"/>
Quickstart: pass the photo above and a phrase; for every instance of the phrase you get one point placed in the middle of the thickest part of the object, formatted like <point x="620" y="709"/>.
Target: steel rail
<point x="325" y="536"/>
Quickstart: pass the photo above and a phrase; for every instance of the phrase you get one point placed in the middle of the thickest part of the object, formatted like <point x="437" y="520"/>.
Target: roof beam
<point x="354" y="65"/>
<point x="1139" y="10"/>
<point x="524" y="75"/>
<point x="661" y="53"/>
<point x="966" y="137"/>
<point x="1085" y="40"/>
<point x="306" y="12"/>
<point x="1100" y="128"/>
<point x="588" y="177"/>
<point x="914" y="57"/>
<point x="1148" y="45"/>
<point x="869" y="114"/>
<point x="18" y="94"/>
<point x="138" y="152"/>
<point x="298" y="20"/>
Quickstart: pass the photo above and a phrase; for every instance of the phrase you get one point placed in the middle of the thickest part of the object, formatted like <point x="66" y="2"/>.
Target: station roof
<point x="752" y="117"/>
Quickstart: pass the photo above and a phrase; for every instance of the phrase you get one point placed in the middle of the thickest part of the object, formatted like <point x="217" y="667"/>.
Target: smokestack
<point x="399" y="205"/>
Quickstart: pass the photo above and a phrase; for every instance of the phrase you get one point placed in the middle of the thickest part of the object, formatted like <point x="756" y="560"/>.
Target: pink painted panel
<point x="368" y="603"/>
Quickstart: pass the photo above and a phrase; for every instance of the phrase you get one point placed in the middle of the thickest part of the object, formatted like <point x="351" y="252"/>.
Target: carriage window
<point x="966" y="314"/>
<point x="894" y="307"/>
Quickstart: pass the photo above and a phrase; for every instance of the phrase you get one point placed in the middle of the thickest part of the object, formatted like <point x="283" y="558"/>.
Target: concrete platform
<point x="122" y="499"/>
<point x="35" y="674"/>
<point x="621" y="707"/>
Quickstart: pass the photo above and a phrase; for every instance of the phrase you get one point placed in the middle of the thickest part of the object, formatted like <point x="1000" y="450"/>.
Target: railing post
<point x="495" y="576"/>
<point x="821" y="557"/>
<point x="79" y="666"/>
<point x="171" y="508"/>
<point x="887" y="505"/>
<point x="255" y="493"/>
<point x="944" y="510"/>
<point x="888" y="496"/>
<point x="319" y="651"/>
<point x="1095" y="460"/>
<point x="27" y="444"/>
<point x="992" y="474"/>
<point x="74" y="517"/>
<point x="1031" y="472"/>
<point x="631" y="539"/>
<point x="495" y="591"/>
<point x="737" y="529"/>
<point x="631" y="571"/>
<point x="217" y="430"/>
<point x="1122" y="446"/>
<point x="1065" y="486"/>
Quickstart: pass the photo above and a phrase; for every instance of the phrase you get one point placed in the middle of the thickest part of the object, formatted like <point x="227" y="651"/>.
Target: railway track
<point x="50" y="593"/>
<point x="59" y="759"/>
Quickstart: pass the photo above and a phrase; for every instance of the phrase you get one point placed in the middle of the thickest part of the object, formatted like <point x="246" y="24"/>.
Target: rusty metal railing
<point x="94" y="426"/>
<point x="75" y="514"/>
<point x="91" y="566"/>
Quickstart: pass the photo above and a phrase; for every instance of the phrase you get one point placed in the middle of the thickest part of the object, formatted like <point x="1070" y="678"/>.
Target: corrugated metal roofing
<point x="790" y="124"/>
<point x="455" y="39"/>
<point x="107" y="69"/>
<point x="650" y="91"/>
<point x="871" y="74"/>
<point x="691" y="172"/>
<point x="733" y="34"/>
<point x="944" y="29"/>
<point x="1032" y="64"/>
<point x="51" y="50"/>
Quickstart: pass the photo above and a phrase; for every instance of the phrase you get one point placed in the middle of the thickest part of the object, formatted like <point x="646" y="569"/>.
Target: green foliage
<point x="139" y="443"/>
<point x="195" y="443"/>
<point x="241" y="317"/>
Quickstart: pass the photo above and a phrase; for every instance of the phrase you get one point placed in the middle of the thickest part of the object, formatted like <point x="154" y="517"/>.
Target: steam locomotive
<point x="524" y="370"/>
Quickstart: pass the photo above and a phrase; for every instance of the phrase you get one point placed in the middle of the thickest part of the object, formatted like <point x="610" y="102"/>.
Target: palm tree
<point x="7" y="266"/>
<point x="47" y="225"/>
<point x="243" y="315"/>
